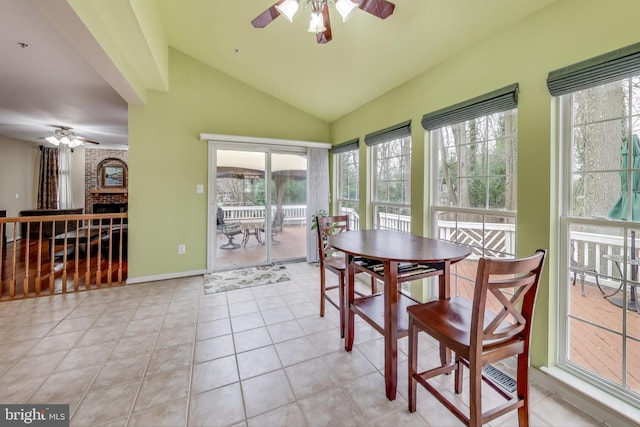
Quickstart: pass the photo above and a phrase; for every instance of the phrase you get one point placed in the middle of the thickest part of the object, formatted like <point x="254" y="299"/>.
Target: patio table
<point x="632" y="302"/>
<point x="386" y="312"/>
<point x="251" y="228"/>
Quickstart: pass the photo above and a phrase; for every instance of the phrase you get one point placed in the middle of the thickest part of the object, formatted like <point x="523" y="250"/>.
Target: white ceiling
<point x="50" y="83"/>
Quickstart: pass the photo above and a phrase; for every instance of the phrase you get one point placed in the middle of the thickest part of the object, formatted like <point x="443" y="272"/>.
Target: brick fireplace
<point x="95" y="194"/>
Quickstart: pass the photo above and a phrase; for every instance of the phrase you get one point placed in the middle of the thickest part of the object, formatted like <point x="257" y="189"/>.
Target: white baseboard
<point x="167" y="276"/>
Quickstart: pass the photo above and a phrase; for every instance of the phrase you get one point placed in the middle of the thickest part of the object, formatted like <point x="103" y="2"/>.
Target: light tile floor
<point x="165" y="354"/>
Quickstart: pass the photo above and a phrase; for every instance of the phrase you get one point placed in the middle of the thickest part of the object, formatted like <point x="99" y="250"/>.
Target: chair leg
<point x="322" y="291"/>
<point x="459" y="376"/>
<point x="413" y="364"/>
<point x="342" y="302"/>
<point x="522" y="384"/>
<point x="475" y="393"/>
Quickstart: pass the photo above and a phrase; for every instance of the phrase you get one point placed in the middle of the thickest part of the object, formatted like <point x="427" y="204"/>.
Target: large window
<point x="347" y="169"/>
<point x="474" y="148"/>
<point x="599" y="339"/>
<point x="391" y="177"/>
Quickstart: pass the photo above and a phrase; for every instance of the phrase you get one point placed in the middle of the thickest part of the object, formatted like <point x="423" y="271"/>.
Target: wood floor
<point x="27" y="270"/>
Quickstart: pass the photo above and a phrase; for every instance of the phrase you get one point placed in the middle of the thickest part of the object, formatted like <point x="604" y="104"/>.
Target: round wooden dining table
<point x="391" y="248"/>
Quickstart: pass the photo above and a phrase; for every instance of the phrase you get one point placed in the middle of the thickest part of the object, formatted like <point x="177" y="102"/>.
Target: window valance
<point x="350" y="145"/>
<point x="502" y="99"/>
<point x="602" y="69"/>
<point x="401" y="130"/>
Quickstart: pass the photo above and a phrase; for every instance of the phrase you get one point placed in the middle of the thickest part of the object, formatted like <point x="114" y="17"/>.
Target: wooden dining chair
<point x="334" y="261"/>
<point x="480" y="337"/>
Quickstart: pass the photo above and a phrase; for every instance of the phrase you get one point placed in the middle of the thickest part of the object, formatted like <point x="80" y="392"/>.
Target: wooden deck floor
<point x="596" y="325"/>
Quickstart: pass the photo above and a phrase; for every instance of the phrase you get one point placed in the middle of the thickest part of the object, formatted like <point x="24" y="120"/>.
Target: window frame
<point x="402" y="223"/>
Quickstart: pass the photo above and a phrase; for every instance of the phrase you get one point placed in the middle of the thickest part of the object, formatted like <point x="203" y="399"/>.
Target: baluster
<point x="12" y="281"/>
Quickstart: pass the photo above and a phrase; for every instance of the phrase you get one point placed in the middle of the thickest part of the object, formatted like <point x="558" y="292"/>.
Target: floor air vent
<point x="500" y="378"/>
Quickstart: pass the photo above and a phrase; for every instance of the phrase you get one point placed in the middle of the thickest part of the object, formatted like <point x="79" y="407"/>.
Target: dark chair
<point x="333" y="260"/>
<point x="580" y="270"/>
<point x="229" y="229"/>
<point x="480" y="337"/>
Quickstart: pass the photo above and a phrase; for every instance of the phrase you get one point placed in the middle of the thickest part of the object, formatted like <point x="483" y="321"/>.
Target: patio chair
<point x="229" y="229"/>
<point x="480" y="337"/>
<point x="580" y="270"/>
<point x="276" y="227"/>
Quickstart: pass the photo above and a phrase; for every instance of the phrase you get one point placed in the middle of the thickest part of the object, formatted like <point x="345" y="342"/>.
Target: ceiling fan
<point x="320" y="23"/>
<point x="65" y="136"/>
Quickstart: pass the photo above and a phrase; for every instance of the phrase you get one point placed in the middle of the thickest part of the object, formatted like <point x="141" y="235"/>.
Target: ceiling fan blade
<point x="380" y="8"/>
<point x="83" y="139"/>
<point x="326" y="36"/>
<point x="266" y="17"/>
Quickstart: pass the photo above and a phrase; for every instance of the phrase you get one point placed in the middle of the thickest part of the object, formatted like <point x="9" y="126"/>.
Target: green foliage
<point x="314" y="224"/>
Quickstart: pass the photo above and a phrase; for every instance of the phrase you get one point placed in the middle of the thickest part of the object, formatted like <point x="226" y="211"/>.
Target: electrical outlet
<point x="182" y="249"/>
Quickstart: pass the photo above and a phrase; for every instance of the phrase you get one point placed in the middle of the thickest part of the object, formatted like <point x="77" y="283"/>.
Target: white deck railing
<point x="293" y="214"/>
<point x="589" y="249"/>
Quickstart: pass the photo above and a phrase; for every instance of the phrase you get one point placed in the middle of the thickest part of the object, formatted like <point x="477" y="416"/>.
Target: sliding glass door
<point x="258" y="206"/>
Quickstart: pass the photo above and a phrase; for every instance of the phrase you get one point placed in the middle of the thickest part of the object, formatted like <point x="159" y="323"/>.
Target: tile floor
<point x="164" y="353"/>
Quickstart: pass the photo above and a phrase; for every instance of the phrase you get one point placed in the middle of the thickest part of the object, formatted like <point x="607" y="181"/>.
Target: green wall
<point x="167" y="159"/>
<point x="566" y="32"/>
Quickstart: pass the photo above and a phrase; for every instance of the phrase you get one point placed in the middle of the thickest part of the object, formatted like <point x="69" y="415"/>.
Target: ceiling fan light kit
<point x="288" y="9"/>
<point x="346" y="8"/>
<point x="65" y="137"/>
<point x="319" y="20"/>
<point x="316" y="24"/>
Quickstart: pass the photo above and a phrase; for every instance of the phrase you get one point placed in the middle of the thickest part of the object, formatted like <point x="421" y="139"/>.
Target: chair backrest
<point x="327" y="226"/>
<point x="220" y="217"/>
<point x="508" y="287"/>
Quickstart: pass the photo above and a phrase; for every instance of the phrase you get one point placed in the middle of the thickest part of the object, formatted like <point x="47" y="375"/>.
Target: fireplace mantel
<point x="109" y="191"/>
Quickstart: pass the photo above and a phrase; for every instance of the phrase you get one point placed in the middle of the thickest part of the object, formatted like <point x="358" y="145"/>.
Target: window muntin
<point x="598" y="126"/>
<point x="474" y="168"/>
<point x="476" y="163"/>
<point x="391" y="199"/>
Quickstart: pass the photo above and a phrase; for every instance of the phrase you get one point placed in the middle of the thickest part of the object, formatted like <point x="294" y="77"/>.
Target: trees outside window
<point x="474" y="188"/>
<point x="391" y="201"/>
<point x="347" y="184"/>
<point x="600" y="209"/>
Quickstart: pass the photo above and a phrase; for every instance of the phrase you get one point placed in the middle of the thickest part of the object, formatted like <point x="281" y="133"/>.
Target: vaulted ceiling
<point x="87" y="59"/>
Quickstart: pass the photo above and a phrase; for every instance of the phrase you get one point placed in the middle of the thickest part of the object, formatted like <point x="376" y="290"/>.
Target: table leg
<point x="391" y="328"/>
<point x="349" y="316"/>
<point x="444" y="292"/>
<point x="632" y="303"/>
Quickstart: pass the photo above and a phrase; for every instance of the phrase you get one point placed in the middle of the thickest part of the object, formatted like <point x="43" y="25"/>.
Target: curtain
<point x="48" y="179"/>
<point x="353" y="144"/>
<point x="65" y="193"/>
<point x="606" y="68"/>
<point x="502" y="99"/>
<point x="401" y="130"/>
<point x="317" y="194"/>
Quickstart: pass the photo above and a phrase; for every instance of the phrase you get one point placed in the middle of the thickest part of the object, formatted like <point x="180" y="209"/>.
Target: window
<point x="474" y="148"/>
<point x="599" y="340"/>
<point x="347" y="162"/>
<point x="391" y="178"/>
